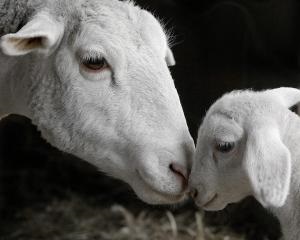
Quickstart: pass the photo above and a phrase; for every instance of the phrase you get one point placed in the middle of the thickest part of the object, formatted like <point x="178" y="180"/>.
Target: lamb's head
<point x="100" y="88"/>
<point x="240" y="151"/>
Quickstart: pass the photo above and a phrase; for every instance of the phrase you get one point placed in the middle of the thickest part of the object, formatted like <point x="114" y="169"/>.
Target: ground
<point x="79" y="219"/>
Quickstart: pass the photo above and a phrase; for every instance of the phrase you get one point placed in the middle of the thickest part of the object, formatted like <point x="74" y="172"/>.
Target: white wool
<point x="263" y="160"/>
<point x="127" y="120"/>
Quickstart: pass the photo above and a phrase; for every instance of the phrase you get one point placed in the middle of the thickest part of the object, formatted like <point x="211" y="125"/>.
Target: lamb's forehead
<point x="237" y="104"/>
<point x="220" y="126"/>
<point x="240" y="106"/>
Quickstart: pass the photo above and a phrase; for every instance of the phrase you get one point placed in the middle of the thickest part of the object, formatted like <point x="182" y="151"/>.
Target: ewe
<point x="93" y="76"/>
<point x="249" y="144"/>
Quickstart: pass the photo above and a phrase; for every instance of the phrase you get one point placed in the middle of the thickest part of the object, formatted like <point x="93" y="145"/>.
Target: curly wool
<point x="14" y="13"/>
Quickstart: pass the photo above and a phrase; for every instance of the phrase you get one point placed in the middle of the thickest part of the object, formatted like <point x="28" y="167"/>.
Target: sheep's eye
<point x="95" y="64"/>
<point x="224" y="147"/>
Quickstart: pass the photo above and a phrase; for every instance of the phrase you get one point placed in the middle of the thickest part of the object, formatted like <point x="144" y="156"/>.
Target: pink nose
<point x="180" y="171"/>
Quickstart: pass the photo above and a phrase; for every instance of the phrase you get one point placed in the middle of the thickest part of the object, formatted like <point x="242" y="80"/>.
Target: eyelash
<point x="225" y="147"/>
<point x="95" y="63"/>
<point x="91" y="57"/>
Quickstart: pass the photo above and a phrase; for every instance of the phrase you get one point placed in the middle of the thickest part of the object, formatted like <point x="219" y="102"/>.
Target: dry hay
<point x="76" y="219"/>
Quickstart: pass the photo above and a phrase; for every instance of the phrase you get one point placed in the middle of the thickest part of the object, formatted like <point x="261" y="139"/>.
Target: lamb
<point x="248" y="144"/>
<point x="93" y="76"/>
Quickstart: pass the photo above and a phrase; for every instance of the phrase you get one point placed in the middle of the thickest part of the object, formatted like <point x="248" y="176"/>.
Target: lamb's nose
<point x="194" y="193"/>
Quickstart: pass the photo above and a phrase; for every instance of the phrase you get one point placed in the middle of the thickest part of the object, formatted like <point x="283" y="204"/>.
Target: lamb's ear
<point x="287" y="96"/>
<point x="42" y="33"/>
<point x="268" y="164"/>
<point x="170" y="58"/>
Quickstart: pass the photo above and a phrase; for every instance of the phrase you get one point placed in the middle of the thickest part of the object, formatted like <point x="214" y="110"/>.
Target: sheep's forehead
<point x="123" y="20"/>
<point x="109" y="13"/>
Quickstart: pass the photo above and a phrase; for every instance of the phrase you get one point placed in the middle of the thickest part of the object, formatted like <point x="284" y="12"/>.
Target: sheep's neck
<point x="14" y="12"/>
<point x="289" y="214"/>
<point x="13" y="87"/>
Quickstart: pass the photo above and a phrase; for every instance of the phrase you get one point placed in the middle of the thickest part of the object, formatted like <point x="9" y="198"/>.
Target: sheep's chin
<point x="215" y="207"/>
<point x="154" y="197"/>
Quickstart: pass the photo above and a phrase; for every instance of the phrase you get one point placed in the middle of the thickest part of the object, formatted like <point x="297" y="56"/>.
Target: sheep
<point x="93" y="76"/>
<point x="248" y="144"/>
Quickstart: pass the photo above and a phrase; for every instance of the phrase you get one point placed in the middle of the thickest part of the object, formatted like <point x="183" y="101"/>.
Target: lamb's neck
<point x="289" y="217"/>
<point x="289" y="214"/>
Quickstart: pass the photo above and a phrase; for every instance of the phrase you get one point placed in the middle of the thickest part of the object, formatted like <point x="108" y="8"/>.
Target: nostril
<point x="194" y="193"/>
<point x="179" y="170"/>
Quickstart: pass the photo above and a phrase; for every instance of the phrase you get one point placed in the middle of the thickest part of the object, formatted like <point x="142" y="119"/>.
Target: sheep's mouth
<point x="170" y="198"/>
<point x="210" y="201"/>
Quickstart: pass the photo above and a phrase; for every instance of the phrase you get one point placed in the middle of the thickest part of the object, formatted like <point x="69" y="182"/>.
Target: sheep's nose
<point x="184" y="169"/>
<point x="180" y="171"/>
<point x="194" y="193"/>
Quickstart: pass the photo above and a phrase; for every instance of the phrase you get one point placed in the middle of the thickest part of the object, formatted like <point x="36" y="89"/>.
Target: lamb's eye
<point x="224" y="147"/>
<point x="95" y="64"/>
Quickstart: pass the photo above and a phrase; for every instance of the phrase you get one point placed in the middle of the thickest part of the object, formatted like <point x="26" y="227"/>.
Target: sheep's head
<point x="100" y="88"/>
<point x="240" y="151"/>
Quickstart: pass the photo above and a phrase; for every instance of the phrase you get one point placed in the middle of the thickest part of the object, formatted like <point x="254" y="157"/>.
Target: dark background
<point x="224" y="45"/>
<point x="219" y="46"/>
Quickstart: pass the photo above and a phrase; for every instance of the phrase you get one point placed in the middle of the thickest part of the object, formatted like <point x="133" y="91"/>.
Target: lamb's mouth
<point x="210" y="201"/>
<point x="171" y="198"/>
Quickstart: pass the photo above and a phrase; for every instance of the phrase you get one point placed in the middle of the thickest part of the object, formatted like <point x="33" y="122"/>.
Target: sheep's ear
<point x="287" y="96"/>
<point x="42" y="33"/>
<point x="268" y="164"/>
<point x="170" y="58"/>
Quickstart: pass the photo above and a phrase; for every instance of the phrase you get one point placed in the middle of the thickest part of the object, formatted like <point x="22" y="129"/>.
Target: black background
<point x="224" y="45"/>
<point x="219" y="46"/>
